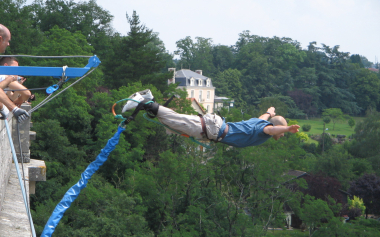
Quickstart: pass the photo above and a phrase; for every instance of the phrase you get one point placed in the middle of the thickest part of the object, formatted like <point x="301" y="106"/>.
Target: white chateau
<point x="198" y="86"/>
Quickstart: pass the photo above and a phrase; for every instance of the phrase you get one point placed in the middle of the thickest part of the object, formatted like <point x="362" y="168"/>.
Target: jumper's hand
<point x="271" y="111"/>
<point x="13" y="78"/>
<point x="293" y="128"/>
<point x="21" y="79"/>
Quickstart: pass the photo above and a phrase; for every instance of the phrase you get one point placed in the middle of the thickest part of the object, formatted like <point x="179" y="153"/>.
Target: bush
<point x="311" y="148"/>
<point x="306" y="127"/>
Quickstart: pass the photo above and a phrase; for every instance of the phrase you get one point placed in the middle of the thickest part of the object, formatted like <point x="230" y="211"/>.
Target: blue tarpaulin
<point x="74" y="191"/>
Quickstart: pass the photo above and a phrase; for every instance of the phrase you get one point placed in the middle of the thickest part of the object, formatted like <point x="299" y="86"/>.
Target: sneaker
<point x="147" y="94"/>
<point x="131" y="104"/>
<point x="138" y="96"/>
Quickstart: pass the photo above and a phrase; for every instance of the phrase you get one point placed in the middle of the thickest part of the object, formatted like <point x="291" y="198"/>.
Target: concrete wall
<point x="13" y="218"/>
<point x="5" y="158"/>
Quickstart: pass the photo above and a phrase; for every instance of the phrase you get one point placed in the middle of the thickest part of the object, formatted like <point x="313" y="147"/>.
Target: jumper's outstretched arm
<point x="269" y="114"/>
<point x="276" y="130"/>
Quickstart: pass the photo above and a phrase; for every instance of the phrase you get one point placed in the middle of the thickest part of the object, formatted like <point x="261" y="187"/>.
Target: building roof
<point x="374" y="70"/>
<point x="183" y="77"/>
<point x="296" y="173"/>
<point x="222" y="99"/>
<point x="197" y="106"/>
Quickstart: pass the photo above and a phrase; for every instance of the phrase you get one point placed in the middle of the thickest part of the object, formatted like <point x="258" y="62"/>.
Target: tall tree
<point x="17" y="18"/>
<point x="222" y="57"/>
<point x="87" y="17"/>
<point x="62" y="42"/>
<point x="355" y="58"/>
<point x="228" y="84"/>
<point x="136" y="57"/>
<point x="366" y="88"/>
<point x="335" y="114"/>
<point x="195" y="54"/>
<point x="335" y="163"/>
<point x="314" y="212"/>
<point x="367" y="187"/>
<point x="366" y="140"/>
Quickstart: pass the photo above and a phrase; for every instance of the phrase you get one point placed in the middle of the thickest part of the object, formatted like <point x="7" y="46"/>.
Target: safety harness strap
<point x="204" y="130"/>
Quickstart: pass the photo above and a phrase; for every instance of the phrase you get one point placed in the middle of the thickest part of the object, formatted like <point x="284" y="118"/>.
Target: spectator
<point x="21" y="94"/>
<point x="20" y="114"/>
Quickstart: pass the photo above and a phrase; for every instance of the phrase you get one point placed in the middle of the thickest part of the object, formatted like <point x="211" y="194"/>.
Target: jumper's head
<point x="278" y="121"/>
<point x="5" y="37"/>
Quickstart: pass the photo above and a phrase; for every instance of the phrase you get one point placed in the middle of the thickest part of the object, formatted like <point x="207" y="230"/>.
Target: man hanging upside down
<point x="252" y="132"/>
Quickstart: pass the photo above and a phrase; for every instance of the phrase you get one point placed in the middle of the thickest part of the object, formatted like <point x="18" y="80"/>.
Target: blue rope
<point x="74" y="191"/>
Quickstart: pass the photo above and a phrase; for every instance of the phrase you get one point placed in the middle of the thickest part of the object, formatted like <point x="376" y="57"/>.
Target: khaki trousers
<point x="190" y="124"/>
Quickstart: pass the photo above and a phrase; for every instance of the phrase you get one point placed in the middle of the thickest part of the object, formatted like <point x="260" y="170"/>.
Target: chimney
<point x="198" y="71"/>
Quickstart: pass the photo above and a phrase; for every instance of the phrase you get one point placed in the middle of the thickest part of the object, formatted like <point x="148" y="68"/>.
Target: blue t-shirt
<point x="245" y="133"/>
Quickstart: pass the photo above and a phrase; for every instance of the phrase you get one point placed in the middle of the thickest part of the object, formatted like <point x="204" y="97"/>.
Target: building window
<point x="208" y="108"/>
<point x="192" y="82"/>
<point x="208" y="95"/>
<point x="192" y="94"/>
<point x="200" y="96"/>
<point x="200" y="82"/>
<point x="208" y="83"/>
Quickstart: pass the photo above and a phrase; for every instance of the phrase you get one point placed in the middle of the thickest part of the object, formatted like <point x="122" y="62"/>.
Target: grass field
<point x="341" y="127"/>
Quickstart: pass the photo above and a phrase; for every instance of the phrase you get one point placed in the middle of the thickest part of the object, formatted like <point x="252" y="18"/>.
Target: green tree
<point x="87" y="17"/>
<point x="17" y="18"/>
<point x="351" y="122"/>
<point x="195" y="54"/>
<point x="100" y="210"/>
<point x="360" y="167"/>
<point x="367" y="187"/>
<point x="228" y="84"/>
<point x="313" y="211"/>
<point x="365" y="141"/>
<point x="335" y="163"/>
<point x="136" y="57"/>
<point x="355" y="58"/>
<point x="326" y="119"/>
<point x="222" y="57"/>
<point x="267" y="102"/>
<point x="335" y="114"/>
<point x="356" y="202"/>
<point x="62" y="42"/>
<point x="325" y="139"/>
<point x="365" y="62"/>
<point x="365" y="89"/>
<point x="334" y="76"/>
<point x="306" y="127"/>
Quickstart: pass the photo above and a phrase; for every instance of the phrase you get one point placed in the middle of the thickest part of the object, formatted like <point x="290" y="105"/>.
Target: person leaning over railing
<point x="5" y="103"/>
<point x="20" y="94"/>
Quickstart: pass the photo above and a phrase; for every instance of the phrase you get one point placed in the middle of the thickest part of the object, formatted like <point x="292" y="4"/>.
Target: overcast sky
<point x="352" y="24"/>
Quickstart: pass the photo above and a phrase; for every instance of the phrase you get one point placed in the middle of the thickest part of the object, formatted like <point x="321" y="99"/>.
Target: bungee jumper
<point x="252" y="132"/>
